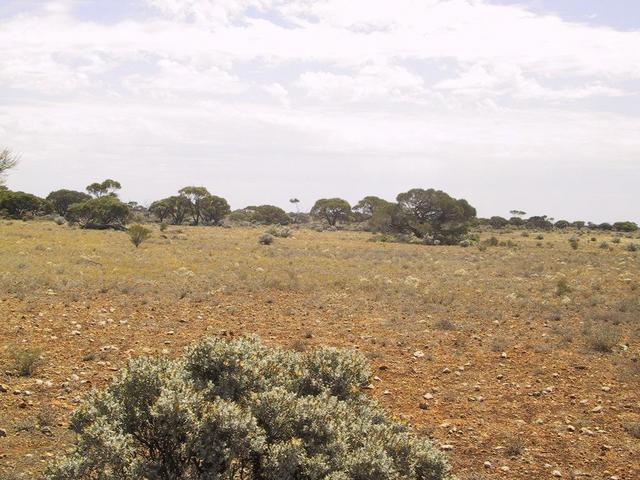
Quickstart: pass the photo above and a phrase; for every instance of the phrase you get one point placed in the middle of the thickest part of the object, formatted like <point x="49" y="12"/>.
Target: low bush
<point x="602" y="338"/>
<point x="573" y="241"/>
<point x="26" y="360"/>
<point x="280" y="232"/>
<point x="138" y="234"/>
<point x="265" y="239"/>
<point x="241" y="410"/>
<point x="562" y="287"/>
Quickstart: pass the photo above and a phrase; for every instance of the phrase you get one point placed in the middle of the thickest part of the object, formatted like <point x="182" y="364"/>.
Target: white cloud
<point x="416" y="91"/>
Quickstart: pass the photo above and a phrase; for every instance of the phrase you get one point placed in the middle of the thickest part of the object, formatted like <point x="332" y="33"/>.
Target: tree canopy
<point x="108" y="187"/>
<point x="100" y="212"/>
<point x="61" y="200"/>
<point x="331" y="209"/>
<point x="21" y="204"/>
<point x="195" y="195"/>
<point x="434" y="215"/>
<point x="8" y="160"/>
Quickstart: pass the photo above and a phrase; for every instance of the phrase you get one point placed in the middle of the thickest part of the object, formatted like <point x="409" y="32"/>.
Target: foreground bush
<point x="231" y="410"/>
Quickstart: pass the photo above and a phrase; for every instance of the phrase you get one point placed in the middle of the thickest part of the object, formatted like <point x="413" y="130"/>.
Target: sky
<point x="531" y="105"/>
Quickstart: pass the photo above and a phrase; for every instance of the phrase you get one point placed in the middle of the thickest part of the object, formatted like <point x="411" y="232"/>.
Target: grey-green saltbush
<point x="239" y="409"/>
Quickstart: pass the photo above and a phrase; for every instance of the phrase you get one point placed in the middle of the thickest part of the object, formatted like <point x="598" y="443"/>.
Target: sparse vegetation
<point x="447" y="314"/>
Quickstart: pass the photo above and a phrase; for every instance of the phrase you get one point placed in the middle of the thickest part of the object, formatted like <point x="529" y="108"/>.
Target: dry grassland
<point x="522" y="361"/>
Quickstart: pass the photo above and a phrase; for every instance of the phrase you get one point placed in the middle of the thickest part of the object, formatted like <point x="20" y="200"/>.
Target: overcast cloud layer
<point x="507" y="105"/>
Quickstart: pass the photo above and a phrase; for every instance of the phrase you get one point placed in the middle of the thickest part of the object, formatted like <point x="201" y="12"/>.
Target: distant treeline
<point x="430" y="215"/>
<point x="542" y="222"/>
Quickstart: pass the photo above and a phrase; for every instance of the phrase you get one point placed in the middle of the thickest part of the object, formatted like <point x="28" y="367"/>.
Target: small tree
<point x="213" y="209"/>
<point x="269" y="215"/>
<point x="21" y="204"/>
<point x="108" y="187"/>
<point x="562" y="224"/>
<point x="100" y="212"/>
<point x="161" y="209"/>
<point x="241" y="410"/>
<point x="368" y="206"/>
<point x="332" y="210"/>
<point x="195" y="195"/>
<point x="180" y="206"/>
<point x="138" y="234"/>
<point x="61" y="200"/>
<point x="625" y="226"/>
<point x="539" y="222"/>
<point x="498" y="222"/>
<point x="8" y="160"/>
<point x="435" y="216"/>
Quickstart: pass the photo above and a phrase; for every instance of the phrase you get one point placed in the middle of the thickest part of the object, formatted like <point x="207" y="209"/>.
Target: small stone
<point x="505" y="468"/>
<point x="424" y="406"/>
<point x="427" y="396"/>
<point x="418" y="354"/>
<point x="487" y="464"/>
<point x="597" y="409"/>
<point x="446" y="370"/>
<point x="606" y="389"/>
<point x="447" y="447"/>
<point x="556" y="473"/>
<point x="503" y="355"/>
<point x="3" y="388"/>
<point x="571" y="428"/>
<point x="3" y="432"/>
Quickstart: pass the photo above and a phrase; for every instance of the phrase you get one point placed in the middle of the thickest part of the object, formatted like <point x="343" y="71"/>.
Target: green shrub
<point x="632" y="247"/>
<point x="100" y="212"/>
<point x="573" y="241"/>
<point x="265" y="239"/>
<point x="562" y="287"/>
<point x="138" y="234"/>
<point x="602" y="338"/>
<point x="280" y="232"/>
<point x="26" y="360"/>
<point x="241" y="410"/>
